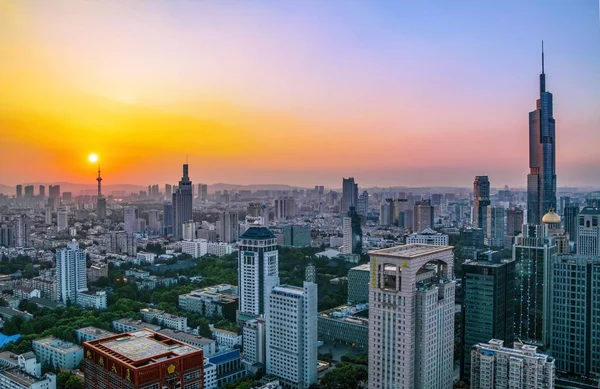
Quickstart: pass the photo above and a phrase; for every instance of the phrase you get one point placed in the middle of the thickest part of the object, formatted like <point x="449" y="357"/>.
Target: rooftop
<point x="58" y="344"/>
<point x="142" y="347"/>
<point x="99" y="332"/>
<point x="230" y="333"/>
<point x="411" y="250"/>
<point x="288" y="289"/>
<point x="258" y="233"/>
<point x="365" y="267"/>
<point x="590" y="211"/>
<point x="138" y="324"/>
<point x="185" y="337"/>
<point x="19" y="377"/>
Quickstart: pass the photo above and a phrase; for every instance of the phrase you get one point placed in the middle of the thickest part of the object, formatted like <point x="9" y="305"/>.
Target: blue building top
<point x="6" y="339"/>
<point x="225" y="357"/>
<point x="257" y="233"/>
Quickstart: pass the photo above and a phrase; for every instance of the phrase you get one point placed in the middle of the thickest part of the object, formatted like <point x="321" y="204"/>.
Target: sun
<point x="93" y="158"/>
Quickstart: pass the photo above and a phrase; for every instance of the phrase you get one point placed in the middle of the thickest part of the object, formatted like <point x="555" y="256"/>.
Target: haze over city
<point x="298" y="93"/>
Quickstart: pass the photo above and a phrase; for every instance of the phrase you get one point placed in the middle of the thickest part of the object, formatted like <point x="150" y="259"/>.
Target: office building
<point x="541" y="181"/>
<point x="428" y="236"/>
<point x="258" y="269"/>
<point x="561" y="238"/>
<point x="164" y="319"/>
<point x="142" y="359"/>
<point x="422" y="215"/>
<point x="217" y="300"/>
<point x="481" y="201"/>
<point x="57" y="353"/>
<point x="347" y="324"/>
<point x="255" y="344"/>
<point x="362" y="204"/>
<point x="514" y="225"/>
<point x="153" y="220"/>
<point x="358" y="284"/>
<point x="488" y="303"/>
<point x="292" y="335"/>
<point x="131" y="325"/>
<point x="534" y="252"/>
<point x="29" y="191"/>
<point x="62" y="220"/>
<point x="385" y="213"/>
<point x="571" y="220"/>
<point x="92" y="299"/>
<point x="496" y="366"/>
<point x="71" y="275"/>
<point x="349" y="195"/>
<point x="208" y="346"/>
<point x="22" y="377"/>
<point x="182" y="204"/>
<point x="228" y="367"/>
<point x="86" y="334"/>
<point x="495" y="226"/>
<point x="411" y="317"/>
<point x="226" y="339"/>
<point x="189" y="230"/>
<point x="588" y="232"/>
<point x="202" y="191"/>
<point x="296" y="236"/>
<point x="196" y="248"/>
<point x="575" y="336"/>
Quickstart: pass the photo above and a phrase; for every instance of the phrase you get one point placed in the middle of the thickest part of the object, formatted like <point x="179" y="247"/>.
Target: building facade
<point x="71" y="276"/>
<point x="428" y="236"/>
<point x="588" y="232"/>
<point x="182" y="204"/>
<point x="358" y="284"/>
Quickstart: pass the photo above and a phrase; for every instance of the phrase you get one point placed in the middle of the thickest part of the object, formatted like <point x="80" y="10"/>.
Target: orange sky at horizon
<point x="87" y="83"/>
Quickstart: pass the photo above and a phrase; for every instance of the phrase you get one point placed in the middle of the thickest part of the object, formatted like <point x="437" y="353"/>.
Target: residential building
<point x="358" y="284"/>
<point x="534" y="252"/>
<point x="411" y="317"/>
<point x="488" y="303"/>
<point x="349" y="194"/>
<point x="17" y="378"/>
<point x="292" y="335"/>
<point x="196" y="248"/>
<point x="258" y="269"/>
<point x="496" y="366"/>
<point x="428" y="236"/>
<point x="129" y="217"/>
<point x="285" y="207"/>
<point x="422" y="215"/>
<point x="362" y="204"/>
<point x="123" y="361"/>
<point x="228" y="226"/>
<point x="92" y="299"/>
<point x="208" y="346"/>
<point x="218" y="249"/>
<point x="164" y="319"/>
<point x="62" y="220"/>
<point x="210" y="375"/>
<point x="25" y="293"/>
<point x="58" y="353"/>
<point x="541" y="180"/>
<point x="96" y="271"/>
<point x="146" y="257"/>
<point x="226" y="339"/>
<point x="254" y="341"/>
<point x="588" y="232"/>
<point x="347" y="324"/>
<point x="167" y="227"/>
<point x="348" y="235"/>
<point x="86" y="334"/>
<point x="70" y="273"/>
<point x="182" y="204"/>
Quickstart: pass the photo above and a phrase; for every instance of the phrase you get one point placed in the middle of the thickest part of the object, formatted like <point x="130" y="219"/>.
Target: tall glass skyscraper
<point x="182" y="204"/>
<point x="541" y="181"/>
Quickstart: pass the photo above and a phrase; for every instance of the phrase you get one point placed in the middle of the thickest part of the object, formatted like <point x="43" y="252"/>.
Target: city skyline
<point x="349" y="96"/>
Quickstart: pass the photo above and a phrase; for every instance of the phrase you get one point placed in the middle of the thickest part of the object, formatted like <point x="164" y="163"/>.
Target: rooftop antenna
<point x="543" y="75"/>
<point x="542" y="57"/>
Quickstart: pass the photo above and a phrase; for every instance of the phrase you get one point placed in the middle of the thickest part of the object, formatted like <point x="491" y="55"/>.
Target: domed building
<point x="552" y="220"/>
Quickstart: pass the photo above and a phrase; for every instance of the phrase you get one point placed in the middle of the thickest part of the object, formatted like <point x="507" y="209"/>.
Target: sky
<point x="410" y="93"/>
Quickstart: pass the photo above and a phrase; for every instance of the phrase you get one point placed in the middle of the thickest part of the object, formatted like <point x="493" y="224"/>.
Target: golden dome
<point x="551" y="218"/>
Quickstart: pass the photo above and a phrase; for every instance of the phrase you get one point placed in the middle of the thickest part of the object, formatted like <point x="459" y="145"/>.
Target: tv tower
<point x="101" y="201"/>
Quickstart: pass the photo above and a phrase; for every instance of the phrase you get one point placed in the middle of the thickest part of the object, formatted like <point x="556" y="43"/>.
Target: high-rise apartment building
<point x="588" y="232"/>
<point x="142" y="359"/>
<point x="541" y="181"/>
<point x="19" y="192"/>
<point x="411" y="317"/>
<point x="495" y="226"/>
<point x="514" y="221"/>
<point x="168" y="191"/>
<point x="229" y="226"/>
<point x="488" y="303"/>
<point x="285" y="207"/>
<point x="349" y="194"/>
<point x="29" y="191"/>
<point x="362" y="204"/>
<point x="129" y="216"/>
<point x="42" y="192"/>
<point x="422" y="215"/>
<point x="570" y="221"/>
<point x="348" y="236"/>
<point x="21" y="231"/>
<point x="481" y="201"/>
<point x="182" y="204"/>
<point x="496" y="366"/>
<point x="258" y="269"/>
<point x="167" y="218"/>
<point x="203" y="191"/>
<point x="292" y="335"/>
<point x="62" y="220"/>
<point x="534" y="252"/>
<point x="575" y="336"/>
<point x="71" y="276"/>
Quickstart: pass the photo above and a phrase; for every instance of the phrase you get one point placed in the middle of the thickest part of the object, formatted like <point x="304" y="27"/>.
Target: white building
<point x="131" y="325"/>
<point x="210" y="375"/>
<point x="588" y="231"/>
<point x="258" y="264"/>
<point x="71" y="276"/>
<point x="189" y="230"/>
<point x="196" y="248"/>
<point x="292" y="335"/>
<point x="347" y="231"/>
<point x="254" y="340"/>
<point x="62" y="220"/>
<point x="208" y="346"/>
<point x="86" y="334"/>
<point x="428" y="236"/>
<point x="496" y="366"/>
<point x="146" y="257"/>
<point x="227" y="339"/>
<point x="219" y="249"/>
<point x="164" y="319"/>
<point x="16" y="378"/>
<point x="411" y="317"/>
<point x="129" y="216"/>
<point x="216" y="300"/>
<point x="58" y="353"/>
<point x="92" y="299"/>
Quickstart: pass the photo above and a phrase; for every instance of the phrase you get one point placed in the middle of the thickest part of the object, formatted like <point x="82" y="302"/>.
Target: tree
<point x="74" y="383"/>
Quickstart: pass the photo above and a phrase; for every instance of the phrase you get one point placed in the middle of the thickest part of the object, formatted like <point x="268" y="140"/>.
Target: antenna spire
<point x="542" y="57"/>
<point x="543" y="75"/>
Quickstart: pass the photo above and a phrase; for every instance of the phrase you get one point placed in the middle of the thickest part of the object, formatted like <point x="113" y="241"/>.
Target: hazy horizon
<point x="296" y="93"/>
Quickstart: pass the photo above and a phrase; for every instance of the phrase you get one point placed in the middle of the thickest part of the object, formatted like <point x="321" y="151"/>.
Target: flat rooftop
<point x="58" y="344"/>
<point x="364" y="267"/>
<point x="288" y="289"/>
<point x="19" y="377"/>
<point x="142" y="347"/>
<point x="185" y="337"/>
<point x="99" y="332"/>
<point x="411" y="250"/>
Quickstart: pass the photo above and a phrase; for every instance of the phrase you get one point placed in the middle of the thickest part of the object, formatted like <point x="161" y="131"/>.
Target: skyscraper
<point x="411" y="317"/>
<point x="182" y="203"/>
<point x="258" y="269"/>
<point x="541" y="181"/>
<point x="349" y="194"/>
<point x="70" y="273"/>
<point x="481" y="200"/>
<point x="22" y="231"/>
<point x="534" y="252"/>
<point x="588" y="232"/>
<point x="42" y="193"/>
<point x="229" y="226"/>
<point x="570" y="220"/>
<point x="495" y="226"/>
<point x="19" y="192"/>
<point x="362" y="204"/>
<point x="514" y="221"/>
<point x="292" y="335"/>
<point x="422" y="215"/>
<point x="488" y="307"/>
<point x="167" y="218"/>
<point x="129" y="216"/>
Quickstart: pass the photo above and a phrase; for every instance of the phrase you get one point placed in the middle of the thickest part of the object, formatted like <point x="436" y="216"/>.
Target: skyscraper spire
<point x="543" y="75"/>
<point x="99" y="179"/>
